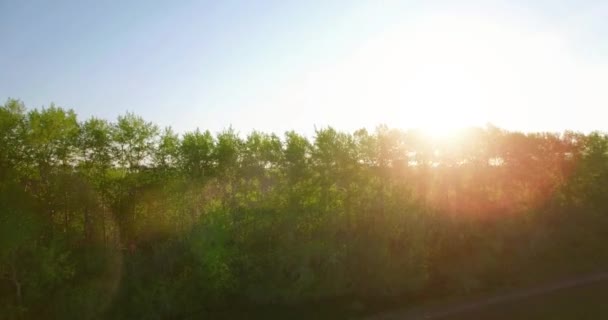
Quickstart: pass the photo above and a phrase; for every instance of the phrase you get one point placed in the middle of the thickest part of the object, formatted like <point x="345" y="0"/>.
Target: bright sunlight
<point x="440" y="73"/>
<point x="303" y="160"/>
<point x="449" y="70"/>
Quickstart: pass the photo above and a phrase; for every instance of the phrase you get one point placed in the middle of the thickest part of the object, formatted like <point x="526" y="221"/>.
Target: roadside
<point x="455" y="309"/>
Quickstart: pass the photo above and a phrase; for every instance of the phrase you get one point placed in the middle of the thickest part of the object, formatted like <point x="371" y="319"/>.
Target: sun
<point x="440" y="131"/>
<point x="438" y="73"/>
<point x="452" y="73"/>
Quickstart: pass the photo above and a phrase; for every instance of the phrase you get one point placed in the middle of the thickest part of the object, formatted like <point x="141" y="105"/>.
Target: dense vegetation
<point x="123" y="220"/>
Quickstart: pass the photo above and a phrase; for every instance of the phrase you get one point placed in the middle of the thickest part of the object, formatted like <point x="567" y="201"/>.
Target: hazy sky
<point x="280" y="65"/>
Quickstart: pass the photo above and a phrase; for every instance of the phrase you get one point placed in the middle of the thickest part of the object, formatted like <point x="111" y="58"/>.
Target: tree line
<point x="122" y="219"/>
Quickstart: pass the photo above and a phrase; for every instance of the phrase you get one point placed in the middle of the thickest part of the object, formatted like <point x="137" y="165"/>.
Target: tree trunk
<point x="66" y="219"/>
<point x="87" y="225"/>
<point x="17" y="284"/>
<point x="103" y="225"/>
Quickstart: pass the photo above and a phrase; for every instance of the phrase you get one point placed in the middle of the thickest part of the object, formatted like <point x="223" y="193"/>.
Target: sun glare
<point x="450" y="71"/>
<point x="459" y="72"/>
<point x="437" y="73"/>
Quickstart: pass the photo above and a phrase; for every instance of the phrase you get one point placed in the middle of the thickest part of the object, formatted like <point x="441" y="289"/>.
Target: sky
<point x="299" y="65"/>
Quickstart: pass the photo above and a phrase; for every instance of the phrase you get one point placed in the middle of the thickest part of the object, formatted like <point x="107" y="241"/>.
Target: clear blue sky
<point x="279" y="65"/>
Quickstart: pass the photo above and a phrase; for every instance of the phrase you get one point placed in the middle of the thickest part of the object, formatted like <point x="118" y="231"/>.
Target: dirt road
<point x="445" y="311"/>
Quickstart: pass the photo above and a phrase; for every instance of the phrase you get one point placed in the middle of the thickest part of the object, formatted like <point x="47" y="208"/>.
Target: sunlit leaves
<point x="134" y="141"/>
<point x="207" y="220"/>
<point x="52" y="135"/>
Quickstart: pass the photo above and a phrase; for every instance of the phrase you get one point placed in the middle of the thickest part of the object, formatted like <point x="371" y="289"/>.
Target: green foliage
<point x="120" y="220"/>
<point x="134" y="141"/>
<point x="196" y="154"/>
